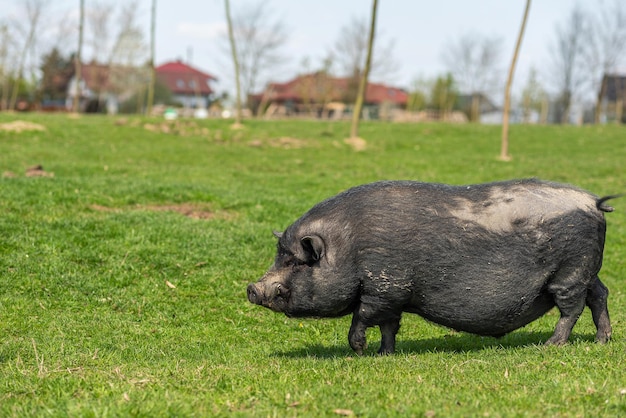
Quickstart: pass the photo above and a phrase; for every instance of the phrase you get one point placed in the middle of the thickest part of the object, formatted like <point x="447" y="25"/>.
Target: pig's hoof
<point x="358" y="347"/>
<point x="603" y="338"/>
<point x="556" y="341"/>
<point x="386" y="351"/>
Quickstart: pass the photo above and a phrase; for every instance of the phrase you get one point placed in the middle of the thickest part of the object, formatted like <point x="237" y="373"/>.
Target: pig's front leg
<point x="356" y="336"/>
<point x="367" y="316"/>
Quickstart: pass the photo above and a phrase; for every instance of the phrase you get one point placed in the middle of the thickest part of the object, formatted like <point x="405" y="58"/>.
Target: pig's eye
<point x="293" y="261"/>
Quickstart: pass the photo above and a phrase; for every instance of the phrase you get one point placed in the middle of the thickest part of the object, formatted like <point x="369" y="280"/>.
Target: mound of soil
<point x="20" y="126"/>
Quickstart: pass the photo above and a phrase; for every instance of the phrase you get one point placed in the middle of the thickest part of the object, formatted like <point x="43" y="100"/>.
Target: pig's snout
<point x="253" y="294"/>
<point x="272" y="295"/>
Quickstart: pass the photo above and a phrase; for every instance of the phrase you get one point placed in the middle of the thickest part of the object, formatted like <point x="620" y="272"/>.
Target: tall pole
<point x="151" y="69"/>
<point x="360" y="98"/>
<point x="78" y="61"/>
<point x="504" y="149"/>
<point x="233" y="48"/>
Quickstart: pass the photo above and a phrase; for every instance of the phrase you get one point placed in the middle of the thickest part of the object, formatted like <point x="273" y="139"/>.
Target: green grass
<point x="109" y="307"/>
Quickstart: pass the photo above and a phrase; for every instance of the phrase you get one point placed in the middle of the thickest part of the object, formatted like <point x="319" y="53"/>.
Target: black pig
<point x="485" y="259"/>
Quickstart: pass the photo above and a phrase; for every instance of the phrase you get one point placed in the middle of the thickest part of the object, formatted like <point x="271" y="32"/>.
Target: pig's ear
<point x="277" y="234"/>
<point x="313" y="246"/>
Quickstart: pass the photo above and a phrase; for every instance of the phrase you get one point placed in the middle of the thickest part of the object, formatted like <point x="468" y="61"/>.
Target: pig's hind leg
<point x="388" y="331"/>
<point x="597" y="296"/>
<point x="570" y="297"/>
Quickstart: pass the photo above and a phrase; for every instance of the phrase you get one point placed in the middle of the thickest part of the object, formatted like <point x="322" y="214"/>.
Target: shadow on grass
<point x="454" y="343"/>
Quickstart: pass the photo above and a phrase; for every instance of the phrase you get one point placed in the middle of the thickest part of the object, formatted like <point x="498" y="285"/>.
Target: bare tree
<point x="233" y="49"/>
<point x="349" y="53"/>
<point x="566" y="62"/>
<point x="127" y="72"/>
<point x="604" y="46"/>
<point x="534" y="98"/>
<point x="98" y="18"/>
<point x="150" y="99"/>
<point x="33" y="10"/>
<point x="129" y="46"/>
<point x="443" y="95"/>
<point x="504" y="147"/>
<point x="5" y="71"/>
<point x="259" y="36"/>
<point x="360" y="98"/>
<point x="78" y="59"/>
<point x="474" y="62"/>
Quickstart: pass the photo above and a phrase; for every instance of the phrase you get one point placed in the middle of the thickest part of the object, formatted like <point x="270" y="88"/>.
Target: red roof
<point x="323" y="87"/>
<point x="181" y="78"/>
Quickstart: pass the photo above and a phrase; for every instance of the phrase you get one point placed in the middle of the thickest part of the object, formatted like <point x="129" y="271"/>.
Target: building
<point x="104" y="87"/>
<point x="189" y="86"/>
<point x="612" y="97"/>
<point x="322" y="95"/>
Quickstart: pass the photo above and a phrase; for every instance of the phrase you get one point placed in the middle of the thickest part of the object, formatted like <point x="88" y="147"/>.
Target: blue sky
<point x="419" y="29"/>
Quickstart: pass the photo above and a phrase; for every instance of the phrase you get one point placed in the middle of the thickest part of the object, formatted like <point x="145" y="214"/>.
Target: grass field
<point x="123" y="273"/>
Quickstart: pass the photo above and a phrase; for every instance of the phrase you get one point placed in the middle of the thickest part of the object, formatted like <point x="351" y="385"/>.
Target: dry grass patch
<point x="190" y="210"/>
<point x="21" y="126"/>
<point x="284" y="142"/>
<point x="177" y="127"/>
<point x="357" y="144"/>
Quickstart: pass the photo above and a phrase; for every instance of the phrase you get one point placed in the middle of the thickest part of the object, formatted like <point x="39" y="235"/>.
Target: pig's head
<point x="305" y="280"/>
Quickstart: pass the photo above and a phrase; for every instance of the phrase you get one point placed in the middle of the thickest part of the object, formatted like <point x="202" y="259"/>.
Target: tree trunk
<point x="233" y="49"/>
<point x="33" y="18"/>
<point x="150" y="100"/>
<point x="78" y="62"/>
<point x="360" y="98"/>
<point x="504" y="148"/>
<point x="543" y="118"/>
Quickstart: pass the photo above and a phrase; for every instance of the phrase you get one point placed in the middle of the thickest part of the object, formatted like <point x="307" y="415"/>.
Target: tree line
<point x="586" y="45"/>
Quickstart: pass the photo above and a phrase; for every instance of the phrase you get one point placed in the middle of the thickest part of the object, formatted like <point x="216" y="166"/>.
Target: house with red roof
<point x="322" y="94"/>
<point x="189" y="86"/>
<point x="105" y="87"/>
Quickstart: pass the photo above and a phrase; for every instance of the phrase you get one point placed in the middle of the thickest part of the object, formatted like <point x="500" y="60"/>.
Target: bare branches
<point x="604" y="46"/>
<point x="259" y="36"/>
<point x="350" y="49"/>
<point x="33" y="10"/>
<point x="474" y="60"/>
<point x="98" y="18"/>
<point x="129" y="47"/>
<point x="566" y="61"/>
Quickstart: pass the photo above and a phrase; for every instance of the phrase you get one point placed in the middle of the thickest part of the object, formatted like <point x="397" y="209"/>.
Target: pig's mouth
<point x="274" y="296"/>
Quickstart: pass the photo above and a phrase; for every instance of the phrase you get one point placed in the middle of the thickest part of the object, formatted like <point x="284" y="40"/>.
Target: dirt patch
<point x="177" y="127"/>
<point x="357" y="144"/>
<point x="38" y="171"/>
<point x="20" y="126"/>
<point x="190" y="210"/>
<point x="34" y="171"/>
<point x="187" y="209"/>
<point x="283" y="142"/>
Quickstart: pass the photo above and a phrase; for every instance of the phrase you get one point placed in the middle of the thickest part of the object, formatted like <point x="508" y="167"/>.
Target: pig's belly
<point x="486" y="315"/>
